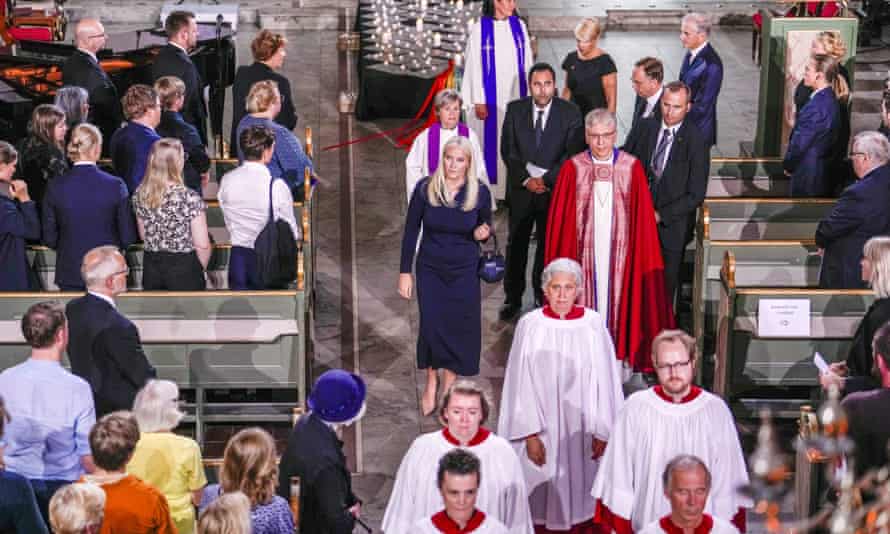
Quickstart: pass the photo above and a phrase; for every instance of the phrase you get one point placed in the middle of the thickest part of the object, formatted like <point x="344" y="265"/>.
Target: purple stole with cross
<point x="432" y="144"/>
<point x="490" y="85"/>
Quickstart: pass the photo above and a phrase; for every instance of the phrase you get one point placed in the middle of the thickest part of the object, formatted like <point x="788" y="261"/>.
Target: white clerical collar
<point x="76" y="163"/>
<point x="597" y="161"/>
<point x="444" y="129"/>
<point x="652" y="101"/>
<point x="87" y="52"/>
<point x="106" y="298"/>
<point x="694" y="52"/>
<point x="179" y="46"/>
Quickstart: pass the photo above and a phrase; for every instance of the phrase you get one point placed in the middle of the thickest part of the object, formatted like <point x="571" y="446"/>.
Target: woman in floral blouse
<point x="172" y="223"/>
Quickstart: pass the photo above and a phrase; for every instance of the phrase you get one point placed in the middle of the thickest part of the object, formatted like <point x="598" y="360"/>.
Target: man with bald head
<point x="83" y="70"/>
<point x="104" y="346"/>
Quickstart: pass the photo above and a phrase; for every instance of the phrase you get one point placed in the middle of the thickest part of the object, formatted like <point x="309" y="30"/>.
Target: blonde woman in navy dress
<point x="454" y="207"/>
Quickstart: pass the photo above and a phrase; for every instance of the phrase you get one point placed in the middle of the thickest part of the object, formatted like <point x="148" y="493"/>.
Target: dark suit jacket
<point x="860" y="358"/>
<point x="563" y="138"/>
<point x="811" y="148"/>
<point x="640" y="107"/>
<point x="104" y="349"/>
<point x="18" y="222"/>
<point x="859" y="214"/>
<point x="196" y="160"/>
<point x="245" y="77"/>
<point x="173" y="61"/>
<point x="83" y="209"/>
<point x="316" y="455"/>
<point x="82" y="70"/>
<point x="704" y="78"/>
<point x="129" y="149"/>
<point x="681" y="189"/>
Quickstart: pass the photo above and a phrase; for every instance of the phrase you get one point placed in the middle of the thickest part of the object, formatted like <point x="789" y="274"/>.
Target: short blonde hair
<point x="85" y="138"/>
<point x="833" y="44"/>
<point x="229" y="514"/>
<point x="667" y="336"/>
<point x="156" y="406"/>
<point x="169" y="88"/>
<point x="588" y="30"/>
<point x="877" y="252"/>
<point x="250" y="465"/>
<point x="76" y="507"/>
<point x="262" y="95"/>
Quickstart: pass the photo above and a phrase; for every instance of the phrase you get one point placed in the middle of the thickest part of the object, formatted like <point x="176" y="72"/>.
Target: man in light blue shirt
<point x="51" y="410"/>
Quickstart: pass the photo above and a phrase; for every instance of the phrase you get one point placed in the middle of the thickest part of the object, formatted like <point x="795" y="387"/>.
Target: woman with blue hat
<point x="315" y="454"/>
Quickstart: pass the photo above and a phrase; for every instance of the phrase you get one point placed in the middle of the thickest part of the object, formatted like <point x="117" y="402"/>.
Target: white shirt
<point x="179" y="46"/>
<point x="244" y="199"/>
<point x="694" y="52"/>
<point x="87" y="52"/>
<point x="651" y="102"/>
<point x="536" y="110"/>
<point x="667" y="149"/>
<point x="106" y="298"/>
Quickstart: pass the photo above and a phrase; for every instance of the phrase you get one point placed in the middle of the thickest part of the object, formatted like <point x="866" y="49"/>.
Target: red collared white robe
<point x="440" y="523"/>
<point x="650" y="431"/>
<point x="415" y="493"/>
<point x="708" y="525"/>
<point x="563" y="384"/>
<point x="601" y="215"/>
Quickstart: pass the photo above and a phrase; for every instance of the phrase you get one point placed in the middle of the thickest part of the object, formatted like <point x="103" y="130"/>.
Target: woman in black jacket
<point x="42" y="153"/>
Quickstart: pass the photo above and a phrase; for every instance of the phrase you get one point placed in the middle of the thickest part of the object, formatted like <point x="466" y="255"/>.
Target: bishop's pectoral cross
<point x="488" y="50"/>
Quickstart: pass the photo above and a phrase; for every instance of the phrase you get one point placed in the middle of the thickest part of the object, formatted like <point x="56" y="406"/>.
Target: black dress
<point x="584" y="78"/>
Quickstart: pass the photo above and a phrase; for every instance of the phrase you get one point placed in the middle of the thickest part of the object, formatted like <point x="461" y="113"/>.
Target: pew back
<point x="747" y="177"/>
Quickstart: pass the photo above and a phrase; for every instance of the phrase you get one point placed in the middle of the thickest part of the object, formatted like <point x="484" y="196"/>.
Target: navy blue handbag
<point x="492" y="264"/>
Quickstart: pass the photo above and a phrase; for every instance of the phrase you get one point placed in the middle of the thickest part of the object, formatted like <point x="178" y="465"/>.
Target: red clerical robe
<point x="638" y="302"/>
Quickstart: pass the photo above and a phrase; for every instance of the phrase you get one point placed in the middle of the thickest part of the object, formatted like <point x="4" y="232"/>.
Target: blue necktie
<point x="539" y="128"/>
<point x="686" y="62"/>
<point x="658" y="160"/>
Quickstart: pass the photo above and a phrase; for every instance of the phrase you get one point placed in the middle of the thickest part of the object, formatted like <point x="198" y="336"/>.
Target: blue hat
<point x="337" y="396"/>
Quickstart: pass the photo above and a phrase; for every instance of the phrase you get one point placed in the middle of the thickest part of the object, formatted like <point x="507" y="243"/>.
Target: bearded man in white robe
<point x="498" y="56"/>
<point x="657" y="424"/>
<point x="502" y="492"/>
<point x="458" y="480"/>
<point x="562" y="393"/>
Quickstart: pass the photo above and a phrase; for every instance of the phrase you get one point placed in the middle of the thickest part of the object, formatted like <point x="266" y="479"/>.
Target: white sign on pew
<point x="783" y="318"/>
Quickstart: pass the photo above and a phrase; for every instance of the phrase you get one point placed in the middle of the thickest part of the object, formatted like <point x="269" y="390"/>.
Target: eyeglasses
<point x="125" y="271"/>
<point x="853" y="154"/>
<point x="602" y="137"/>
<point x="96" y="36"/>
<point x="672" y="367"/>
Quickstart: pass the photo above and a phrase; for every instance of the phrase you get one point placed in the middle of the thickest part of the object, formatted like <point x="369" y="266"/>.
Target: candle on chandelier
<point x="437" y="39"/>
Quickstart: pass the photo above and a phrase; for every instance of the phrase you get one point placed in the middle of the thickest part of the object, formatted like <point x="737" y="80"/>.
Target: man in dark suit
<point x="174" y="60"/>
<point x="131" y="145"/>
<point x="104" y="347"/>
<point x="702" y="71"/>
<point x="811" y="148"/>
<point x="859" y="214"/>
<point x="646" y="80"/>
<point x="83" y="70"/>
<point x="540" y="132"/>
<point x="677" y="163"/>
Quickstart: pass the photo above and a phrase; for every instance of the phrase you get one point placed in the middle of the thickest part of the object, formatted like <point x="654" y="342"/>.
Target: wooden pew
<point x="747" y="177"/>
<point x="724" y="223"/>
<point x="752" y="371"/>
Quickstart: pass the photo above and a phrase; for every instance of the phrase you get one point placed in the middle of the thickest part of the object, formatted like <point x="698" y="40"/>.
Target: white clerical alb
<point x="602" y="225"/>
<point x="417" y="165"/>
<point x="441" y="524"/>
<point x="415" y="494"/>
<point x="562" y="383"/>
<point x="650" y="431"/>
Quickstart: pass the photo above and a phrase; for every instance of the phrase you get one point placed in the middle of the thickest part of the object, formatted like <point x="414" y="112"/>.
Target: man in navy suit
<point x="540" y="132"/>
<point x="811" y="149"/>
<point x="196" y="170"/>
<point x="174" y="60"/>
<point x="646" y="80"/>
<point x="677" y="163"/>
<point x="104" y="346"/>
<point x="702" y="71"/>
<point x="131" y="145"/>
<point x="859" y="214"/>
<point x="83" y="70"/>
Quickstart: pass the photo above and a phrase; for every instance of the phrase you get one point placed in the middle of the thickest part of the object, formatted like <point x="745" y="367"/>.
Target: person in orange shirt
<point x="131" y="505"/>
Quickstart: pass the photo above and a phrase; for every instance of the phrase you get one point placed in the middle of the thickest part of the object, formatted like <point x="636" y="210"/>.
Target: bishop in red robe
<point x="601" y="215"/>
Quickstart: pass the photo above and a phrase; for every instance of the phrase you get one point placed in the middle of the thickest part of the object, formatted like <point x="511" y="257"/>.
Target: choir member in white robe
<point x="498" y="56"/>
<point x="458" y="479"/>
<point x="687" y="482"/>
<point x="423" y="158"/>
<point x="502" y="491"/>
<point x="657" y="424"/>
<point x="562" y="393"/>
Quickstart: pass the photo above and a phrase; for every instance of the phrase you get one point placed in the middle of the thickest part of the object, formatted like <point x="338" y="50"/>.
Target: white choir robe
<point x="651" y="431"/>
<point x="562" y="382"/>
<point x="428" y="525"/>
<point x="415" y="493"/>
<point x="710" y="525"/>
<point x="417" y="164"/>
<point x="473" y="90"/>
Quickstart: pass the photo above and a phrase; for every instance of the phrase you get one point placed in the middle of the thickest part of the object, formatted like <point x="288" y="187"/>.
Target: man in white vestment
<point x="498" y="56"/>
<point x="687" y="481"/>
<point x="657" y="424"/>
<point x="562" y="393"/>
<point x="458" y="482"/>
<point x="425" y="156"/>
<point x="502" y="491"/>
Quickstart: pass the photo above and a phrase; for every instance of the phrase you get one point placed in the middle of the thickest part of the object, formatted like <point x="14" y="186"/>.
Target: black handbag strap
<point x="494" y="237"/>
<point x="271" y="212"/>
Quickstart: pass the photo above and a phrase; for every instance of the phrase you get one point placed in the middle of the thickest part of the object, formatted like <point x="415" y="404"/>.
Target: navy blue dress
<point x="448" y="291"/>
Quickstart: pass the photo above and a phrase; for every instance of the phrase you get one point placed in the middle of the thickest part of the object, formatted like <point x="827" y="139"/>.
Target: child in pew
<point x="18" y="222"/>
